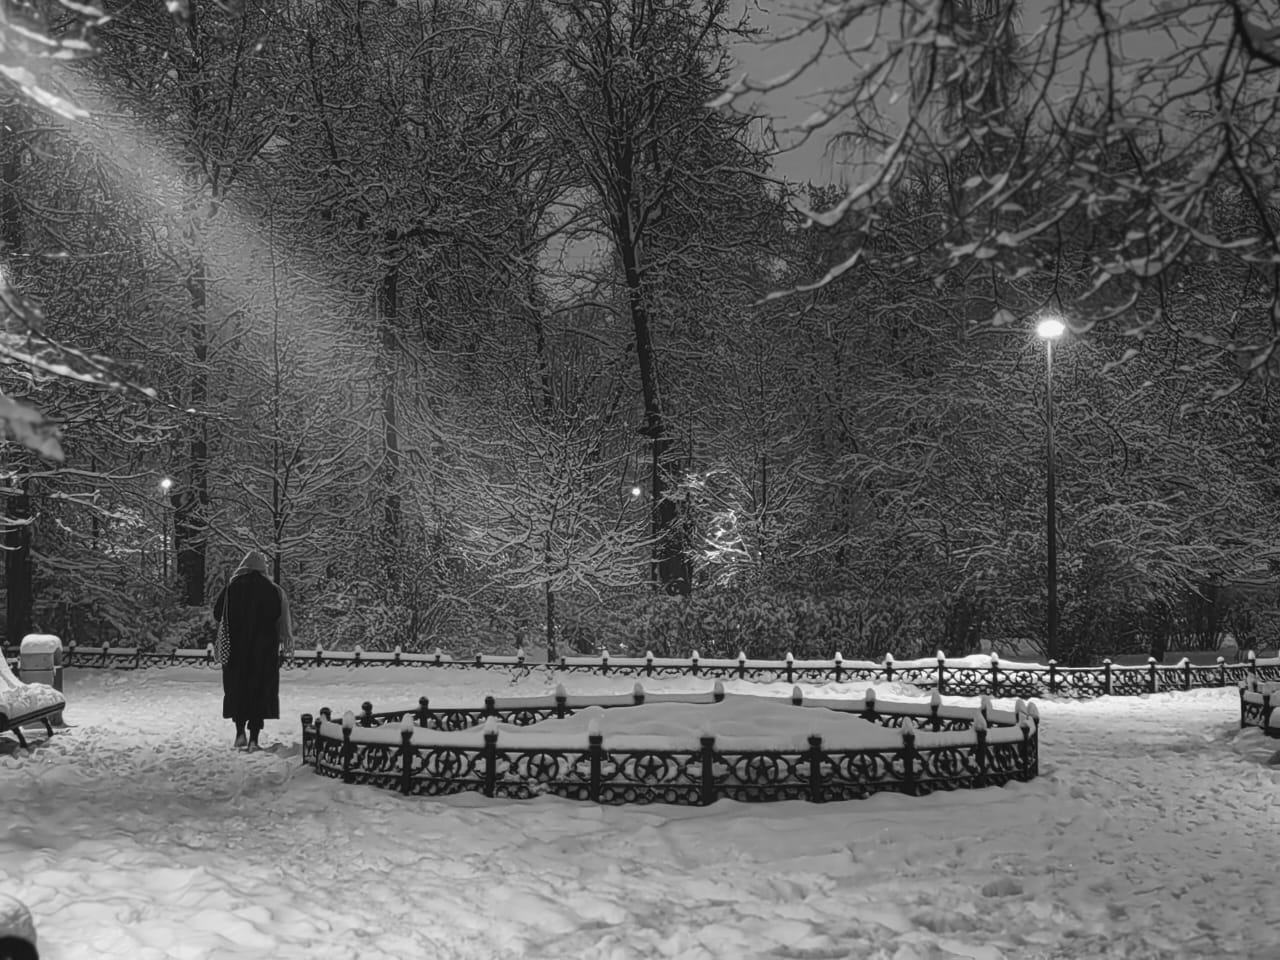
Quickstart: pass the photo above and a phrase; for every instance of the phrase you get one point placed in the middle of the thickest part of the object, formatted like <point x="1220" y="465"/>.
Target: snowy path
<point x="1153" y="832"/>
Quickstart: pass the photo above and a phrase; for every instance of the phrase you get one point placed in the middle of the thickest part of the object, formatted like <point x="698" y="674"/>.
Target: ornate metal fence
<point x="956" y="677"/>
<point x="426" y="750"/>
<point x="1260" y="707"/>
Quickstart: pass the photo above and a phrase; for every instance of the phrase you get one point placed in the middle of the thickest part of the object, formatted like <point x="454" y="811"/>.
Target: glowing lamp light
<point x="636" y="491"/>
<point x="166" y="485"/>
<point x="1050" y="329"/>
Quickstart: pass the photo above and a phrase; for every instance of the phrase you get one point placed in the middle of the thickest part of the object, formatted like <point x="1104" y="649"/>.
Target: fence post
<point x="1186" y="673"/>
<point x="1151" y="674"/>
<point x="935" y="704"/>
<point x="995" y="674"/>
<point x="869" y="705"/>
<point x="707" y="785"/>
<point x="693" y="663"/>
<point x="406" y="754"/>
<point x="595" y="750"/>
<point x="797" y="697"/>
<point x="942" y="672"/>
<point x="490" y="758"/>
<point x="980" y="751"/>
<point x="424" y="712"/>
<point x="1222" y="671"/>
<point x="396" y="658"/>
<point x="742" y="664"/>
<point x="790" y="667"/>
<point x="816" y="792"/>
<point x="909" y="784"/>
<point x="348" y="748"/>
<point x="366" y="714"/>
<point x="888" y="668"/>
<point x="1266" y="712"/>
<point x="490" y="706"/>
<point x="648" y="663"/>
<point x="562" y="698"/>
<point x="1053" y="683"/>
<point x="1106" y="676"/>
<point x="637" y="694"/>
<point x="839" y="662"/>
<point x="717" y="692"/>
<point x="604" y="662"/>
<point x="1253" y="663"/>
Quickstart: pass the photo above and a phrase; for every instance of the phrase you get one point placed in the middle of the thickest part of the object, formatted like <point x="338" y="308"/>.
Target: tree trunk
<point x="190" y="500"/>
<point x="670" y="560"/>
<point x="547" y="383"/>
<point x="388" y="315"/>
<point x="553" y="628"/>
<point x="19" y="594"/>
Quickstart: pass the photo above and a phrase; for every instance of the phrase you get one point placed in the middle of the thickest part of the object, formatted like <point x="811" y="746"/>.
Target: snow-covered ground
<point x="1153" y="832"/>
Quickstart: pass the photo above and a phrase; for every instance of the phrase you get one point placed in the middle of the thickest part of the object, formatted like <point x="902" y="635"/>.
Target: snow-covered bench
<point x="26" y="703"/>
<point x="1260" y="706"/>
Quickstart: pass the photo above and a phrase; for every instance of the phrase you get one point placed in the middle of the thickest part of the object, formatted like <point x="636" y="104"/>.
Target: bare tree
<point x="658" y="167"/>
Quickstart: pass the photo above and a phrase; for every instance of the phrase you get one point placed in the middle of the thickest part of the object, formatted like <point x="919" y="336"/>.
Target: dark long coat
<point x="251" y="677"/>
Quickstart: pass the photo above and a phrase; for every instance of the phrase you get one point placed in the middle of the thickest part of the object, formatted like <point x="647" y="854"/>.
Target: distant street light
<point x="636" y="491"/>
<point x="1049" y="330"/>
<point x="166" y="484"/>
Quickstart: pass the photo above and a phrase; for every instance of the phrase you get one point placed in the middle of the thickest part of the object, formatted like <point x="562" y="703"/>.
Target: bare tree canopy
<point x="1097" y="160"/>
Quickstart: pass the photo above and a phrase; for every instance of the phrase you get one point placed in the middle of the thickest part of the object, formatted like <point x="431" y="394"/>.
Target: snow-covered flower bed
<point x="678" y="748"/>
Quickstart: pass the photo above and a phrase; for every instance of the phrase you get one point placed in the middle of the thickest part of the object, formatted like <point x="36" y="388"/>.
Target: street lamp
<point x="1049" y="330"/>
<point x="166" y="484"/>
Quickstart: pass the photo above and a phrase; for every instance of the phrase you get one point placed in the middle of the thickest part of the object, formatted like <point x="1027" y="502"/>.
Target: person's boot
<point x="241" y="742"/>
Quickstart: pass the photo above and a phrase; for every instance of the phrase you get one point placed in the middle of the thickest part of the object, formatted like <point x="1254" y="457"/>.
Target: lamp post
<point x="1050" y="330"/>
<point x="166" y="485"/>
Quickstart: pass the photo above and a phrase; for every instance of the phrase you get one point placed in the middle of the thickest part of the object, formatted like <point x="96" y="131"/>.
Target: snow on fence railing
<point x="1260" y="706"/>
<point x="423" y="750"/>
<point x="962" y="676"/>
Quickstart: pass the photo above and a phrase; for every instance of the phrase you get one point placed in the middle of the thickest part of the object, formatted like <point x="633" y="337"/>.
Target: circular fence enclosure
<point x="497" y="749"/>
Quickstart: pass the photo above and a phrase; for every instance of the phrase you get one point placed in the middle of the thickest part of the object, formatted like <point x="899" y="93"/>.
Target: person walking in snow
<point x="258" y="625"/>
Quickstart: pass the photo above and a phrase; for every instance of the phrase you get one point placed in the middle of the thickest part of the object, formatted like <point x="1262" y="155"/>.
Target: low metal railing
<point x="951" y="676"/>
<point x="431" y="751"/>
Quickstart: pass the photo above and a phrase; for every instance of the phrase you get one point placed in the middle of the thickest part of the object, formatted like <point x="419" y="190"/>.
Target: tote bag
<point x="222" y="643"/>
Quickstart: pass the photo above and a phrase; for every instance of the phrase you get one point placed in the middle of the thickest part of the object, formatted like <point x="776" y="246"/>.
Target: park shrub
<point x="724" y="622"/>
